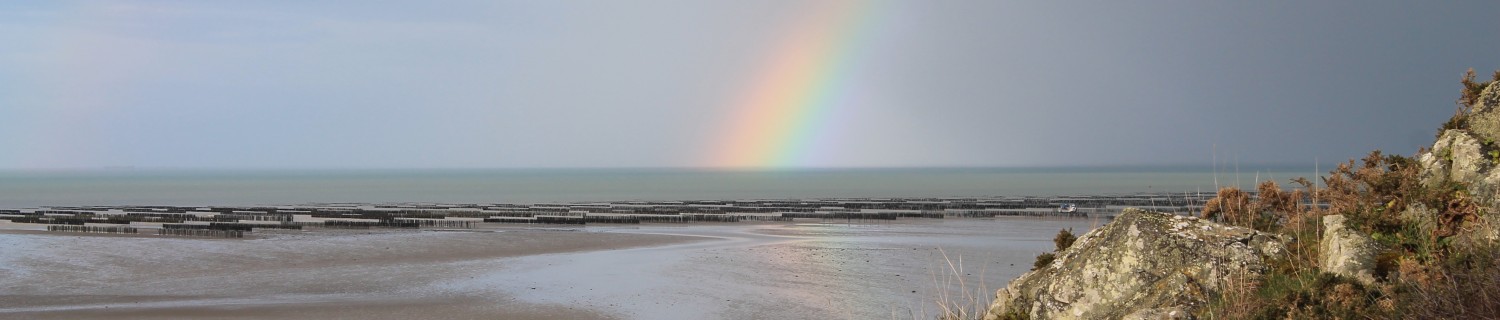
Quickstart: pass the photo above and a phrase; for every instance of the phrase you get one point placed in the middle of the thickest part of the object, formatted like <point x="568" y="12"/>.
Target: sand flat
<point x="310" y="275"/>
<point x="880" y="270"/>
<point x="649" y="271"/>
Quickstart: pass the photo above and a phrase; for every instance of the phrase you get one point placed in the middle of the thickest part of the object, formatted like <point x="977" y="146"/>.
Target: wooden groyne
<point x="654" y="218"/>
<point x="764" y="218"/>
<point x="924" y="214"/>
<point x="439" y="223"/>
<point x="966" y="213"/>
<point x="49" y="220"/>
<point x="252" y="226"/>
<point x="221" y="227"/>
<point x="257" y="217"/>
<point x="538" y="220"/>
<point x="712" y="217"/>
<point x="510" y="214"/>
<point x="346" y="224"/>
<point x="844" y="215"/>
<point x="201" y="233"/>
<point x="92" y="229"/>
<point x="685" y="218"/>
<point x="1040" y="213"/>
<point x="611" y="219"/>
<point x="510" y="220"/>
<point x="148" y="217"/>
<point x="559" y="219"/>
<point x="464" y="216"/>
<point x="466" y="213"/>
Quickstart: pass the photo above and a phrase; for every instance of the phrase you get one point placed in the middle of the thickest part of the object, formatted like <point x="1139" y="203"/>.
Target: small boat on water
<point x="1067" y="208"/>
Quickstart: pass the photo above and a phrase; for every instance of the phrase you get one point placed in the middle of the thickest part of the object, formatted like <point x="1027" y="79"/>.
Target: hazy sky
<point x="439" y="84"/>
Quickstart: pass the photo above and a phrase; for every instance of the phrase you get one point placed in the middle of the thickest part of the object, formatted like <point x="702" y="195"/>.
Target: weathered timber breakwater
<point x="235" y="222"/>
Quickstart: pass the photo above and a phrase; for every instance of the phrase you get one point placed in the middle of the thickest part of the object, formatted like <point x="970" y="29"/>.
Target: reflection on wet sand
<point x="766" y="270"/>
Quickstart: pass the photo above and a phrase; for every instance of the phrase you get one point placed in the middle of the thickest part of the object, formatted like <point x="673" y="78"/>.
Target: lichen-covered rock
<point x="1489" y="98"/>
<point x="1463" y="157"/>
<point x="1470" y="156"/>
<point x="1485" y="119"/>
<point x="1346" y="252"/>
<point x="1141" y="265"/>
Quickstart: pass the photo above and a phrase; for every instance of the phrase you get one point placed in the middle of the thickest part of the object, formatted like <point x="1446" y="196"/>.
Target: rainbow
<point x="788" y="109"/>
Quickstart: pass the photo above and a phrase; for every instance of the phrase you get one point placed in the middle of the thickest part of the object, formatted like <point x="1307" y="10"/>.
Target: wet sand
<point x="700" y="271"/>
<point x="310" y="275"/>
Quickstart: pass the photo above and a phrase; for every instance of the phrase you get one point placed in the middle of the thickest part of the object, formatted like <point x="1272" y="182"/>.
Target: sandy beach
<point x="656" y="271"/>
<point x="322" y="275"/>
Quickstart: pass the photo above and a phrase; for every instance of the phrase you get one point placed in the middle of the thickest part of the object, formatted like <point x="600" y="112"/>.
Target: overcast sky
<point x="470" y="84"/>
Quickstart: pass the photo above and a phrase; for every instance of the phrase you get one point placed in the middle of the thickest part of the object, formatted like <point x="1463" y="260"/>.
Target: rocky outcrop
<point x="1485" y="120"/>
<point x="1347" y="252"/>
<point x="1141" y="265"/>
<point x="1148" y="265"/>
<point x="1456" y="156"/>
<point x="1469" y="155"/>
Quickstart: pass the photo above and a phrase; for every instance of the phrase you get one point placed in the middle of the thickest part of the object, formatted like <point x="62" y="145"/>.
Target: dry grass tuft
<point x="973" y="300"/>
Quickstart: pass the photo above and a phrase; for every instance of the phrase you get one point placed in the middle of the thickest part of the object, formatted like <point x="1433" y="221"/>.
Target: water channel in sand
<point x="866" y="270"/>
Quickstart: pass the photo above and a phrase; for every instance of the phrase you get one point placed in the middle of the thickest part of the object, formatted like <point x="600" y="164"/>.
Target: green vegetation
<point x="1015" y="315"/>
<point x="1432" y="263"/>
<point x="1468" y="95"/>
<point x="1471" y="89"/>
<point x="1062" y="241"/>
<point x="1042" y="260"/>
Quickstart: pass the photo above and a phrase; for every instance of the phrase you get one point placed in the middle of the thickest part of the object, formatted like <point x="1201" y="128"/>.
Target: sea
<point x="202" y="187"/>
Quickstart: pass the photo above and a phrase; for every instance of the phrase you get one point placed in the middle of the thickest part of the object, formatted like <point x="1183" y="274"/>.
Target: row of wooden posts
<point x="516" y="217"/>
<point x="844" y="215"/>
<point x="440" y="223"/>
<point x="201" y="233"/>
<point x="229" y="221"/>
<point x="92" y="229"/>
<point x="163" y="231"/>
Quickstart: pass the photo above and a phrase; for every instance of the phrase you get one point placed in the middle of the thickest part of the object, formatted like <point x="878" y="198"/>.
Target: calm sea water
<point x="20" y="189"/>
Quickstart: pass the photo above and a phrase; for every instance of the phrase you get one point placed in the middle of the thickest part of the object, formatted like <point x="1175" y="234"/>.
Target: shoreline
<point x="580" y="261"/>
<point x="656" y="271"/>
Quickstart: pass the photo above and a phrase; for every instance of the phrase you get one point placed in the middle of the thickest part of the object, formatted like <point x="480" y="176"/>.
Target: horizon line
<point x="1271" y="165"/>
